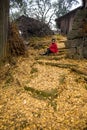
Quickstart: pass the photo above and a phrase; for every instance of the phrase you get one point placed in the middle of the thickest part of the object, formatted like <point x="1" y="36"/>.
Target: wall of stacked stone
<point x="77" y="38"/>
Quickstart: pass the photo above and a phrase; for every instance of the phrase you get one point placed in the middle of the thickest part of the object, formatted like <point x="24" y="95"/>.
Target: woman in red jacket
<point x="52" y="48"/>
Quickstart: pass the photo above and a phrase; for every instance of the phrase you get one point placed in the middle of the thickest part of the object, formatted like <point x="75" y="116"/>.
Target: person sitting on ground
<point x="52" y="48"/>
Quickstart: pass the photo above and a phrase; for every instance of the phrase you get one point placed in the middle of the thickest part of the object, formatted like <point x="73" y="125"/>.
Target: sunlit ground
<point x="44" y="92"/>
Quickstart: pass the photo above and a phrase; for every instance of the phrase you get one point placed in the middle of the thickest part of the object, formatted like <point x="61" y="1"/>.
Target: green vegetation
<point x="50" y="95"/>
<point x="86" y="86"/>
<point x="62" y="79"/>
<point x="9" y="79"/>
<point x="34" y="70"/>
<point x="58" y="65"/>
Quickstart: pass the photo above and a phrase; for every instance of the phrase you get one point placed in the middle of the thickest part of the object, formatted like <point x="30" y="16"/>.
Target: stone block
<point x="74" y="34"/>
<point x="71" y="52"/>
<point x="74" y="43"/>
<point x="81" y="14"/>
<point x="80" y="51"/>
<point x="85" y="52"/>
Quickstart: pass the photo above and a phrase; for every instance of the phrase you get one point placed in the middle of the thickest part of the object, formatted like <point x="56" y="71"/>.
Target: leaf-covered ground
<point x="43" y="92"/>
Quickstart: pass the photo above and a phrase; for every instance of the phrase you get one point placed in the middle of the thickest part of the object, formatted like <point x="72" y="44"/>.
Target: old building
<point x="74" y="24"/>
<point x="65" y="22"/>
<point x="32" y="27"/>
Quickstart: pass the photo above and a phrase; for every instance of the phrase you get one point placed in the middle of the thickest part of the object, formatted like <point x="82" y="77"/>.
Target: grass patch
<point x="58" y="65"/>
<point x="8" y="80"/>
<point x="33" y="73"/>
<point x="43" y="94"/>
<point x="38" y="46"/>
<point x="79" y="71"/>
<point x="86" y="87"/>
<point x="50" y="95"/>
<point x="33" y="70"/>
<point x="79" y="79"/>
<point x="39" y="42"/>
<point x="40" y="39"/>
<point x="62" y="79"/>
<point x="59" y="37"/>
<point x="54" y="104"/>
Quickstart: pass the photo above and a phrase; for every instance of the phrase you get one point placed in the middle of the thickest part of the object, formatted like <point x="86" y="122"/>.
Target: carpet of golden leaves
<point x="25" y="103"/>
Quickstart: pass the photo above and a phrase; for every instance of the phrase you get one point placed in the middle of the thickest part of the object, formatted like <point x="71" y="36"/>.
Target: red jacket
<point x="53" y="48"/>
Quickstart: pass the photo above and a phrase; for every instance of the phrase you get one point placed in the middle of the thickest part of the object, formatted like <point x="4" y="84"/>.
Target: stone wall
<point x="77" y="38"/>
<point x="84" y="2"/>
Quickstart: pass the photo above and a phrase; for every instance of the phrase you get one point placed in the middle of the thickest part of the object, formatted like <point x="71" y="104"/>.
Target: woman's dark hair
<point x="53" y="39"/>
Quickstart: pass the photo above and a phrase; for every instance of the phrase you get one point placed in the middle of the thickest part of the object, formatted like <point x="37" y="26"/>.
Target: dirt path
<point x="44" y="93"/>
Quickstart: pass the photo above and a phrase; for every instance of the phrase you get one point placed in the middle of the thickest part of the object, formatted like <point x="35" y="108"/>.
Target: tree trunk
<point x="4" y="13"/>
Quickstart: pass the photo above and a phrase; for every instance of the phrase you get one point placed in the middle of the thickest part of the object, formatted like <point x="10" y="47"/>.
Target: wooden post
<point x="4" y="13"/>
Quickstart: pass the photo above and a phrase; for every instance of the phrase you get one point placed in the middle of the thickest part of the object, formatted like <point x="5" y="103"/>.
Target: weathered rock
<point x="71" y="52"/>
<point x="75" y="34"/>
<point x="77" y="38"/>
<point x="74" y="43"/>
<point x="85" y="51"/>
